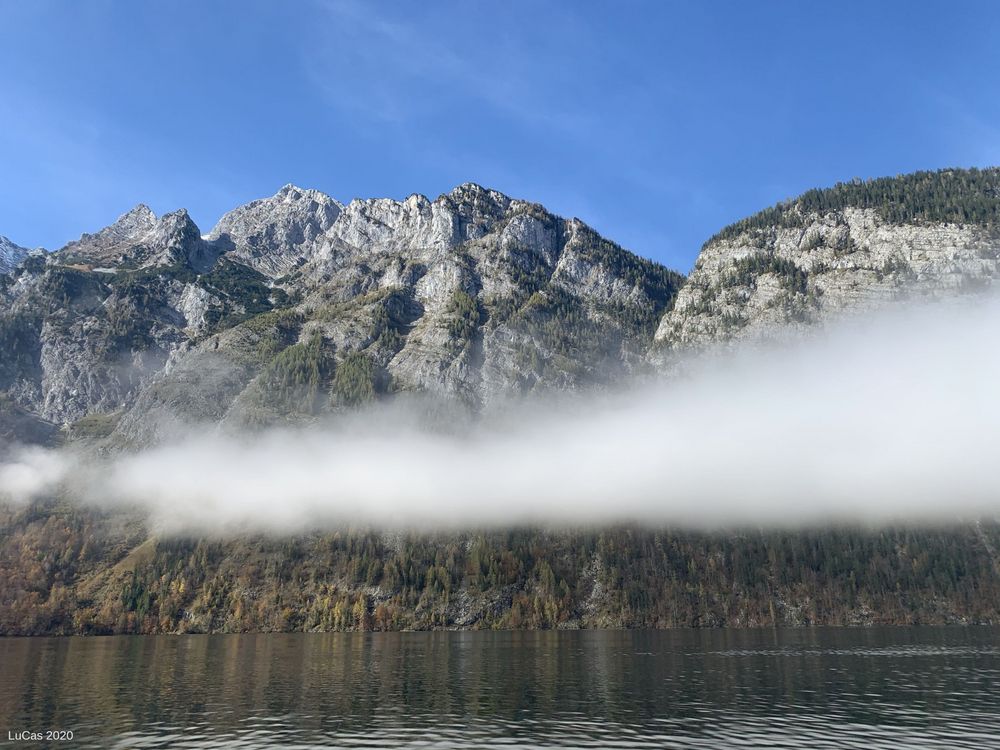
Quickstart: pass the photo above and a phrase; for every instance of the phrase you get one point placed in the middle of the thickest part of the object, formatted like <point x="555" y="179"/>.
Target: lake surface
<point x="819" y="688"/>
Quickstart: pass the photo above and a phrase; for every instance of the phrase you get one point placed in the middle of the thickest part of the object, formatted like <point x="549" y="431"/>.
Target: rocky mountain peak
<point x="176" y="226"/>
<point x="292" y="193"/>
<point x="137" y="218"/>
<point x="467" y="212"/>
<point x="176" y="240"/>
<point x="289" y="190"/>
<point x="138" y="239"/>
<point x="418" y="200"/>
<point x="299" y="226"/>
<point x="472" y="191"/>
<point x="128" y="229"/>
<point x="11" y="255"/>
<point x="476" y="201"/>
<point x="278" y="234"/>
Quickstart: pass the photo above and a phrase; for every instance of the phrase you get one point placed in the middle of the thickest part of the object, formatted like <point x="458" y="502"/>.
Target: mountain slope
<point x="848" y="249"/>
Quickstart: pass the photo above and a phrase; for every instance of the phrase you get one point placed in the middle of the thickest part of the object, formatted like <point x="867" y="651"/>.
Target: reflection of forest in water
<point x="534" y="685"/>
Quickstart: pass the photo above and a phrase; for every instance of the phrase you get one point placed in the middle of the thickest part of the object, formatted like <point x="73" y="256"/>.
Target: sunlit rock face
<point x="276" y="235"/>
<point x="848" y="250"/>
<point x="139" y="240"/>
<point x="296" y="305"/>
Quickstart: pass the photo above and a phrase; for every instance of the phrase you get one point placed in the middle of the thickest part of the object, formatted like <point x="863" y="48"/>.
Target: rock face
<point x="296" y="305"/>
<point x="850" y="249"/>
<point x="276" y="235"/>
<point x="11" y="255"/>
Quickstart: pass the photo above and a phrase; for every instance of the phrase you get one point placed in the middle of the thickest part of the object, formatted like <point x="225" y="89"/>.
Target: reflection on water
<point x="822" y="688"/>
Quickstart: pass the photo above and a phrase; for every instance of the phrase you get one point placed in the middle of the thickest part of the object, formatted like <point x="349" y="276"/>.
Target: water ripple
<point x="824" y="688"/>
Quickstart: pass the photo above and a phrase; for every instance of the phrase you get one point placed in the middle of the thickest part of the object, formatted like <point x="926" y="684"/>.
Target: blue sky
<point x="655" y="122"/>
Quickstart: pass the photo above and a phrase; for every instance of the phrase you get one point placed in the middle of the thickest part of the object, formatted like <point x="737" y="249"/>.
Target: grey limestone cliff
<point x="295" y="305"/>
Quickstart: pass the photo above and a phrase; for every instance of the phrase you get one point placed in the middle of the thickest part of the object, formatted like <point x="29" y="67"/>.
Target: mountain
<point x="11" y="255"/>
<point x="296" y="306"/>
<point x="844" y="250"/>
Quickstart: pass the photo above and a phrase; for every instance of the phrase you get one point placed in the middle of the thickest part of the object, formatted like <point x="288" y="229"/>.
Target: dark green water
<point x="822" y="688"/>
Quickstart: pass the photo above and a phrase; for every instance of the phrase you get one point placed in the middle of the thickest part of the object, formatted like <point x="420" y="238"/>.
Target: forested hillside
<point x="947" y="196"/>
<point x="70" y="571"/>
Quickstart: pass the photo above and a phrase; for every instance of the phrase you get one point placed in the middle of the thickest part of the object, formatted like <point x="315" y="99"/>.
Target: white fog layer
<point x="895" y="418"/>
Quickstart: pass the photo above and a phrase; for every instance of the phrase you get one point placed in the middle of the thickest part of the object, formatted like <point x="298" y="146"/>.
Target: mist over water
<point x="886" y="418"/>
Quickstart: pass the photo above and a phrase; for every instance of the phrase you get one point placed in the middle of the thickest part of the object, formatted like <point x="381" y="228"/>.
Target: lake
<point x="815" y="688"/>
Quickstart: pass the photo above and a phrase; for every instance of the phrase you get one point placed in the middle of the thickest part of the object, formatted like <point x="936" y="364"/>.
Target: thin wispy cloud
<point x="385" y="67"/>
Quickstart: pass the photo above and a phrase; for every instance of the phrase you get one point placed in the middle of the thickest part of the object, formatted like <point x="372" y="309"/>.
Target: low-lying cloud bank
<point x="891" y="418"/>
